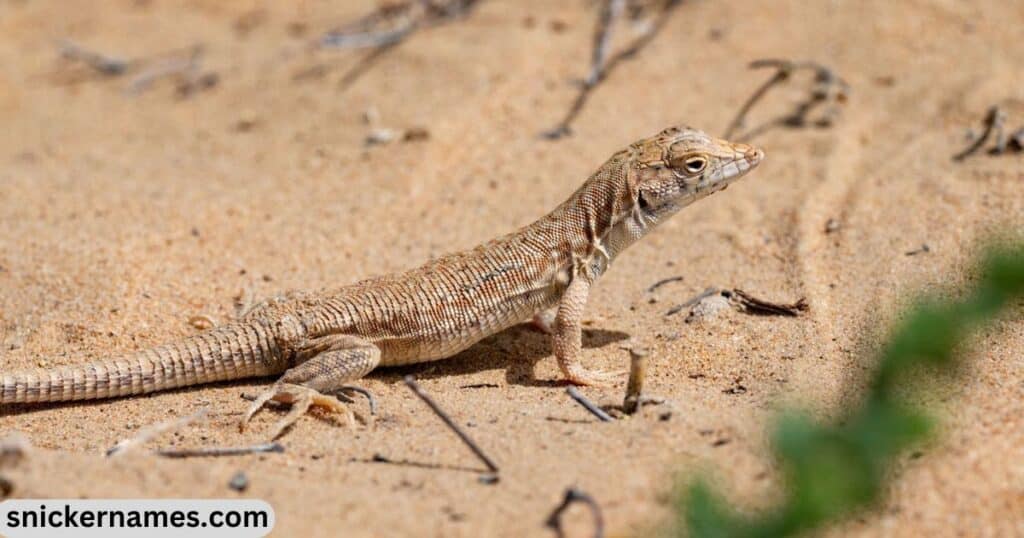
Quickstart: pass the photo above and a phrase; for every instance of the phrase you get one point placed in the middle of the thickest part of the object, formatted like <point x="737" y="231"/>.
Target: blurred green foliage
<point x="831" y="471"/>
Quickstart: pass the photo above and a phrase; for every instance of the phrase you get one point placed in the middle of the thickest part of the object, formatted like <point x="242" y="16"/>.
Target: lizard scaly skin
<point x="321" y="341"/>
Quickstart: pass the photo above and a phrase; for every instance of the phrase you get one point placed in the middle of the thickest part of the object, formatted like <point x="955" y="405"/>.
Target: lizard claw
<point x="593" y="378"/>
<point x="301" y="398"/>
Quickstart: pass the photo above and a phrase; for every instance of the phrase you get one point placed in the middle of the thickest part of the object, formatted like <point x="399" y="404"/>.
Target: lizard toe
<point x="594" y="378"/>
<point x="301" y="399"/>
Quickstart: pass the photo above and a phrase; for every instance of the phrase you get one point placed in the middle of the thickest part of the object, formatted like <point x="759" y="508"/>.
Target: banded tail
<point x="233" y="351"/>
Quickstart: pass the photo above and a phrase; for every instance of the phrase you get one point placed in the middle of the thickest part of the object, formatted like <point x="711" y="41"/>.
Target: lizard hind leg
<point x="335" y="360"/>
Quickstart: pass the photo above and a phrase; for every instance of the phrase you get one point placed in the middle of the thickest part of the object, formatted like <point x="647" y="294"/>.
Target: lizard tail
<point x="233" y="351"/>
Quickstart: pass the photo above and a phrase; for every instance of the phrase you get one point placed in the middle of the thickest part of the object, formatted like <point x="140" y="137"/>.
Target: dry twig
<point x="994" y="120"/>
<point x="610" y="12"/>
<point x="829" y="91"/>
<point x="184" y="65"/>
<point x="219" y="451"/>
<point x="752" y="305"/>
<point x="588" y="405"/>
<point x="923" y="249"/>
<point x="635" y="386"/>
<point x="744" y="302"/>
<point x="447" y="419"/>
<point x="572" y="495"/>
<point x="664" y="281"/>
<point x="599" y="70"/>
<point x="103" y="64"/>
<point x="384" y="29"/>
<point x="708" y="292"/>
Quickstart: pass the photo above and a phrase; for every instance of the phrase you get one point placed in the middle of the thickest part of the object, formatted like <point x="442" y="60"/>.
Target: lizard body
<point x="321" y="341"/>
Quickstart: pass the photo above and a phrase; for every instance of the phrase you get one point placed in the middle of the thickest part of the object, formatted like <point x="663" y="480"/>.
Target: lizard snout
<point x="752" y="155"/>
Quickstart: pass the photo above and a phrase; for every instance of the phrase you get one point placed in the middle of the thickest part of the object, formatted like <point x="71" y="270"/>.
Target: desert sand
<point x="123" y="215"/>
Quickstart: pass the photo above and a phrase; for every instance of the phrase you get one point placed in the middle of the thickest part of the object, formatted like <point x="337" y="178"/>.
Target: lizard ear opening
<point x="642" y="202"/>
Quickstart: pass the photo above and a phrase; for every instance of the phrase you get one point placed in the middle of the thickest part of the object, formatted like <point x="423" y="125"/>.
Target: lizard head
<point x="680" y="165"/>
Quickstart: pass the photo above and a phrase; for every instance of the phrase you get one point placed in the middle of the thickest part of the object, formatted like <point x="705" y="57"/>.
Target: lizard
<point x="317" y="342"/>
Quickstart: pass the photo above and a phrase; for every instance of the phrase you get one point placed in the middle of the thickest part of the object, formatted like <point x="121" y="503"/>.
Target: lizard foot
<point x="593" y="378"/>
<point x="301" y="398"/>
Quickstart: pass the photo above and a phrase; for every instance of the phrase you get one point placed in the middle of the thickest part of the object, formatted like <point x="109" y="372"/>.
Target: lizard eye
<point x="695" y="165"/>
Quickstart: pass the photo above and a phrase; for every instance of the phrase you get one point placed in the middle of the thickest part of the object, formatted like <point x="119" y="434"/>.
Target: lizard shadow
<point x="517" y="349"/>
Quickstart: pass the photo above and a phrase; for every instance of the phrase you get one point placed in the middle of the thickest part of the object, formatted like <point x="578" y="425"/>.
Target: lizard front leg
<point x="333" y="361"/>
<point x="567" y="336"/>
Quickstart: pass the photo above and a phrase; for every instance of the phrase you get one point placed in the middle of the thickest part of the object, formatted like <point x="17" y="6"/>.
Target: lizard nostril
<point x="753" y="155"/>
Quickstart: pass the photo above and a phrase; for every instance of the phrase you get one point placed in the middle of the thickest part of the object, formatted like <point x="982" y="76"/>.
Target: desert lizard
<point x="321" y="341"/>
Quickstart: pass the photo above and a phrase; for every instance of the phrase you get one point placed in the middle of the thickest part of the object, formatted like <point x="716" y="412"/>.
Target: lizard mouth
<point x="746" y="159"/>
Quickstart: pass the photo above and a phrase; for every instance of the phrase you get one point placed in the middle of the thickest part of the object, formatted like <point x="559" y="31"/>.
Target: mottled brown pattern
<point x="320" y="341"/>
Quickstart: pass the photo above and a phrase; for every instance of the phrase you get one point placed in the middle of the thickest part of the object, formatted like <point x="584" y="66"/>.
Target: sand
<point x="121" y="216"/>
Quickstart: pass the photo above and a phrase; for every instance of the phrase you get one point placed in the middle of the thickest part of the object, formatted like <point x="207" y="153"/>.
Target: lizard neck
<point x="596" y="223"/>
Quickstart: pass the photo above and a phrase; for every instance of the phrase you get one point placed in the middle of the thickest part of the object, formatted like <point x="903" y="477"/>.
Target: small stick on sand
<point x="588" y="405"/>
<point x="410" y="381"/>
<point x="404" y="19"/>
<point x="363" y="40"/>
<point x="708" y="292"/>
<point x="383" y="30"/>
<point x="219" y="451"/>
<point x="994" y="120"/>
<point x="635" y="386"/>
<point x="783" y="70"/>
<point x="664" y="281"/>
<point x="154" y="430"/>
<point x="572" y="495"/>
<point x="923" y="249"/>
<point x="103" y="64"/>
<point x="752" y="305"/>
<point x="830" y="90"/>
<point x="186" y="65"/>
